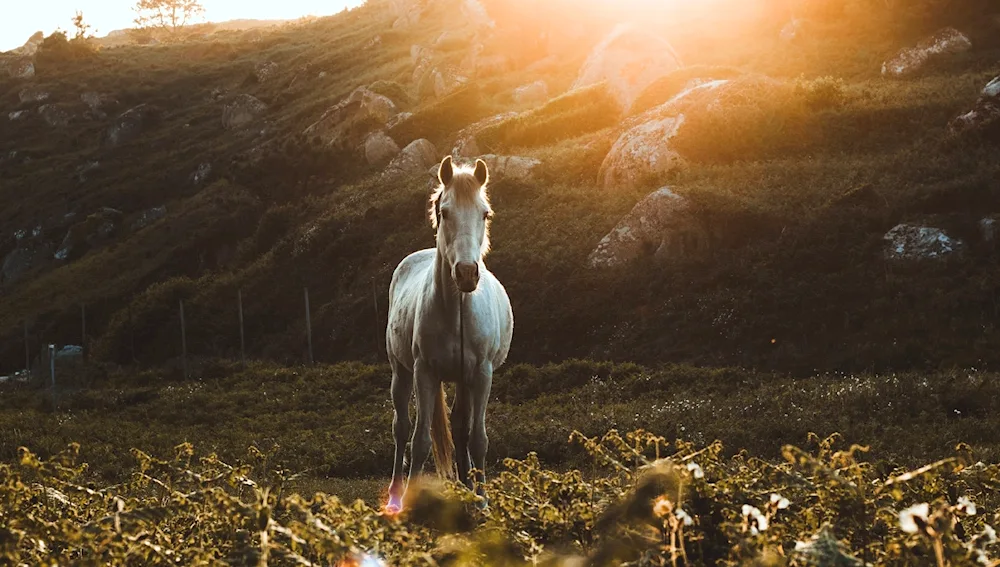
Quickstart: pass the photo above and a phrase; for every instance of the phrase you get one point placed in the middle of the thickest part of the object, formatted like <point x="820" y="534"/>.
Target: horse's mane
<point x="466" y="188"/>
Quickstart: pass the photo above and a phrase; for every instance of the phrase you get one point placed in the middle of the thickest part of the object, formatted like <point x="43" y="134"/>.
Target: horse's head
<point x="460" y="211"/>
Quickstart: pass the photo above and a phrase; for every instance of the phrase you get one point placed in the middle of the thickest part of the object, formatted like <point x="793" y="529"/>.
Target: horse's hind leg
<point x="461" y="428"/>
<point x="402" y="388"/>
<point x="427" y="391"/>
<point x="479" y="443"/>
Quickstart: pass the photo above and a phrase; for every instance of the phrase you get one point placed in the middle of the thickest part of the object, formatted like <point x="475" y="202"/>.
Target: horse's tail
<point x="444" y="445"/>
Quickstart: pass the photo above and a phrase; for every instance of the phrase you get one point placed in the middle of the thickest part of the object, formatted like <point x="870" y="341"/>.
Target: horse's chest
<point x="444" y="357"/>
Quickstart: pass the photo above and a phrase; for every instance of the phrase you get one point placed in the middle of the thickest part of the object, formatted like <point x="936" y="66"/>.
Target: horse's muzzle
<point x="467" y="276"/>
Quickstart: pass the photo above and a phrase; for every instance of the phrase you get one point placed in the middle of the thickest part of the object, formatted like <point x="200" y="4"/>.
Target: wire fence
<point x="63" y="340"/>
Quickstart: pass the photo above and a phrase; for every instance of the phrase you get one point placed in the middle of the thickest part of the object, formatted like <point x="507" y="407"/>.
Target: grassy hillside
<point x="803" y="175"/>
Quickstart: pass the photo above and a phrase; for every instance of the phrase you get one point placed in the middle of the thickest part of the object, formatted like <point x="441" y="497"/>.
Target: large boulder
<point x="533" y="93"/>
<point x="911" y="242"/>
<point x="265" y="71"/>
<point x="478" y="64"/>
<point x="243" y="110"/>
<point x="18" y="67"/>
<point x="628" y="60"/>
<point x="447" y="80"/>
<point x="643" y="148"/>
<point x="16" y="115"/>
<point x="55" y="115"/>
<point x="662" y="227"/>
<point x="97" y="229"/>
<point x="32" y="94"/>
<point x="946" y="41"/>
<point x="346" y="125"/>
<point x="129" y="124"/>
<point x="985" y="115"/>
<point x="380" y="149"/>
<point x="412" y="160"/>
<point x="466" y="144"/>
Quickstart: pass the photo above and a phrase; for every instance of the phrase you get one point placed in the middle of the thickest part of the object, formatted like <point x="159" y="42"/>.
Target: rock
<point x="985" y="115"/>
<point x="643" y="149"/>
<point x="95" y="230"/>
<point x="148" y="217"/>
<point x="475" y="13"/>
<point x="790" y="32"/>
<point x="54" y="115"/>
<point x="83" y="170"/>
<point x="265" y="71"/>
<point x="16" y="115"/>
<point x="380" y="149"/>
<point x="629" y="60"/>
<point x="661" y="227"/>
<point x="414" y="159"/>
<point x="466" y="145"/>
<point x="912" y="242"/>
<point x="19" y="67"/>
<point x="242" y="111"/>
<point x="514" y="168"/>
<point x="475" y="64"/>
<point x="199" y="175"/>
<point x="32" y="94"/>
<point x="447" y="81"/>
<point x="988" y="230"/>
<point x="532" y="94"/>
<point x="397" y="120"/>
<point x="946" y="41"/>
<point x="406" y="12"/>
<point x="346" y="125"/>
<point x="97" y="101"/>
<point x="129" y="124"/>
<point x="31" y="46"/>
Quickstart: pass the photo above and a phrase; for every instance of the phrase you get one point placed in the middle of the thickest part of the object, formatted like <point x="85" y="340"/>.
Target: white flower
<point x="684" y="517"/>
<point x="779" y="501"/>
<point x="756" y="520"/>
<point x="801" y="546"/>
<point x="696" y="470"/>
<point x="908" y="517"/>
<point x="370" y="561"/>
<point x="989" y="534"/>
<point x="968" y="505"/>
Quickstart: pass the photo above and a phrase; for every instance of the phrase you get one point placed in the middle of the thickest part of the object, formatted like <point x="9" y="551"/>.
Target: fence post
<point x="27" y="349"/>
<point x="184" y="347"/>
<point x="83" y="330"/>
<point x="309" y="333"/>
<point x="243" y="350"/>
<point x="52" y="367"/>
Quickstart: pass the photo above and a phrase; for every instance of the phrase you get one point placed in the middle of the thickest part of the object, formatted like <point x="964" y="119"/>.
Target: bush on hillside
<point x="57" y="49"/>
<point x="442" y="118"/>
<point x="394" y="91"/>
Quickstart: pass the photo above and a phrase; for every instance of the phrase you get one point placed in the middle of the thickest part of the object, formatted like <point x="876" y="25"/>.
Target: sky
<point x="23" y="18"/>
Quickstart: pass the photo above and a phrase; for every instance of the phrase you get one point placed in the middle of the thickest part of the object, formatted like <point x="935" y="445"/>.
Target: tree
<point x="83" y="29"/>
<point x="166" y="14"/>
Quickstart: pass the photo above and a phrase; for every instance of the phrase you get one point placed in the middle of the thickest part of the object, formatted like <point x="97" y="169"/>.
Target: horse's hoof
<point x="393" y="506"/>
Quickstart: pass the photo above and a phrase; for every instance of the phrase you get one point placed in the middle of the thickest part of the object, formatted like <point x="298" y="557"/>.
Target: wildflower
<point x="684" y="518"/>
<point x="779" y="501"/>
<point x="967" y="505"/>
<point x="756" y="520"/>
<point x="913" y="518"/>
<point x="989" y="535"/>
<point x="662" y="507"/>
<point x="696" y="470"/>
<point x="801" y="546"/>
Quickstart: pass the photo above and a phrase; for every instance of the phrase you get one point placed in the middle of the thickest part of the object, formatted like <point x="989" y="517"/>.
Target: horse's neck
<point x="444" y="292"/>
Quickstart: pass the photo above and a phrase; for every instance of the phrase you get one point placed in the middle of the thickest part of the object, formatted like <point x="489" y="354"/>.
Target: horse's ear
<point x="446" y="171"/>
<point x="482" y="172"/>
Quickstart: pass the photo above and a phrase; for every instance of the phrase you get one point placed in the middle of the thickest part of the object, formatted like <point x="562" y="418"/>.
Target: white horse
<point x="449" y="321"/>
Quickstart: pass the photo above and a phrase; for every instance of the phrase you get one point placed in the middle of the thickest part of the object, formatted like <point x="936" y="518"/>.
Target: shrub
<point x="394" y="91"/>
<point x="441" y="119"/>
<point x="58" y="49"/>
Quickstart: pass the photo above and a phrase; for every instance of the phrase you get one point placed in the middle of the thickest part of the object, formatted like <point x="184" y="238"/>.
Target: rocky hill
<point x="800" y="189"/>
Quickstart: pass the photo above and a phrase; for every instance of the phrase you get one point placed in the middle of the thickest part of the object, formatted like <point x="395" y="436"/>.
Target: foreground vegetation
<point x="645" y="502"/>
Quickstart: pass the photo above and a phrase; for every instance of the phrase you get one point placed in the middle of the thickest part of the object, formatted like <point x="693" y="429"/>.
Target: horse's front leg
<point x="479" y="443"/>
<point x="427" y="385"/>
<point x="402" y="389"/>
<point x="461" y="429"/>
